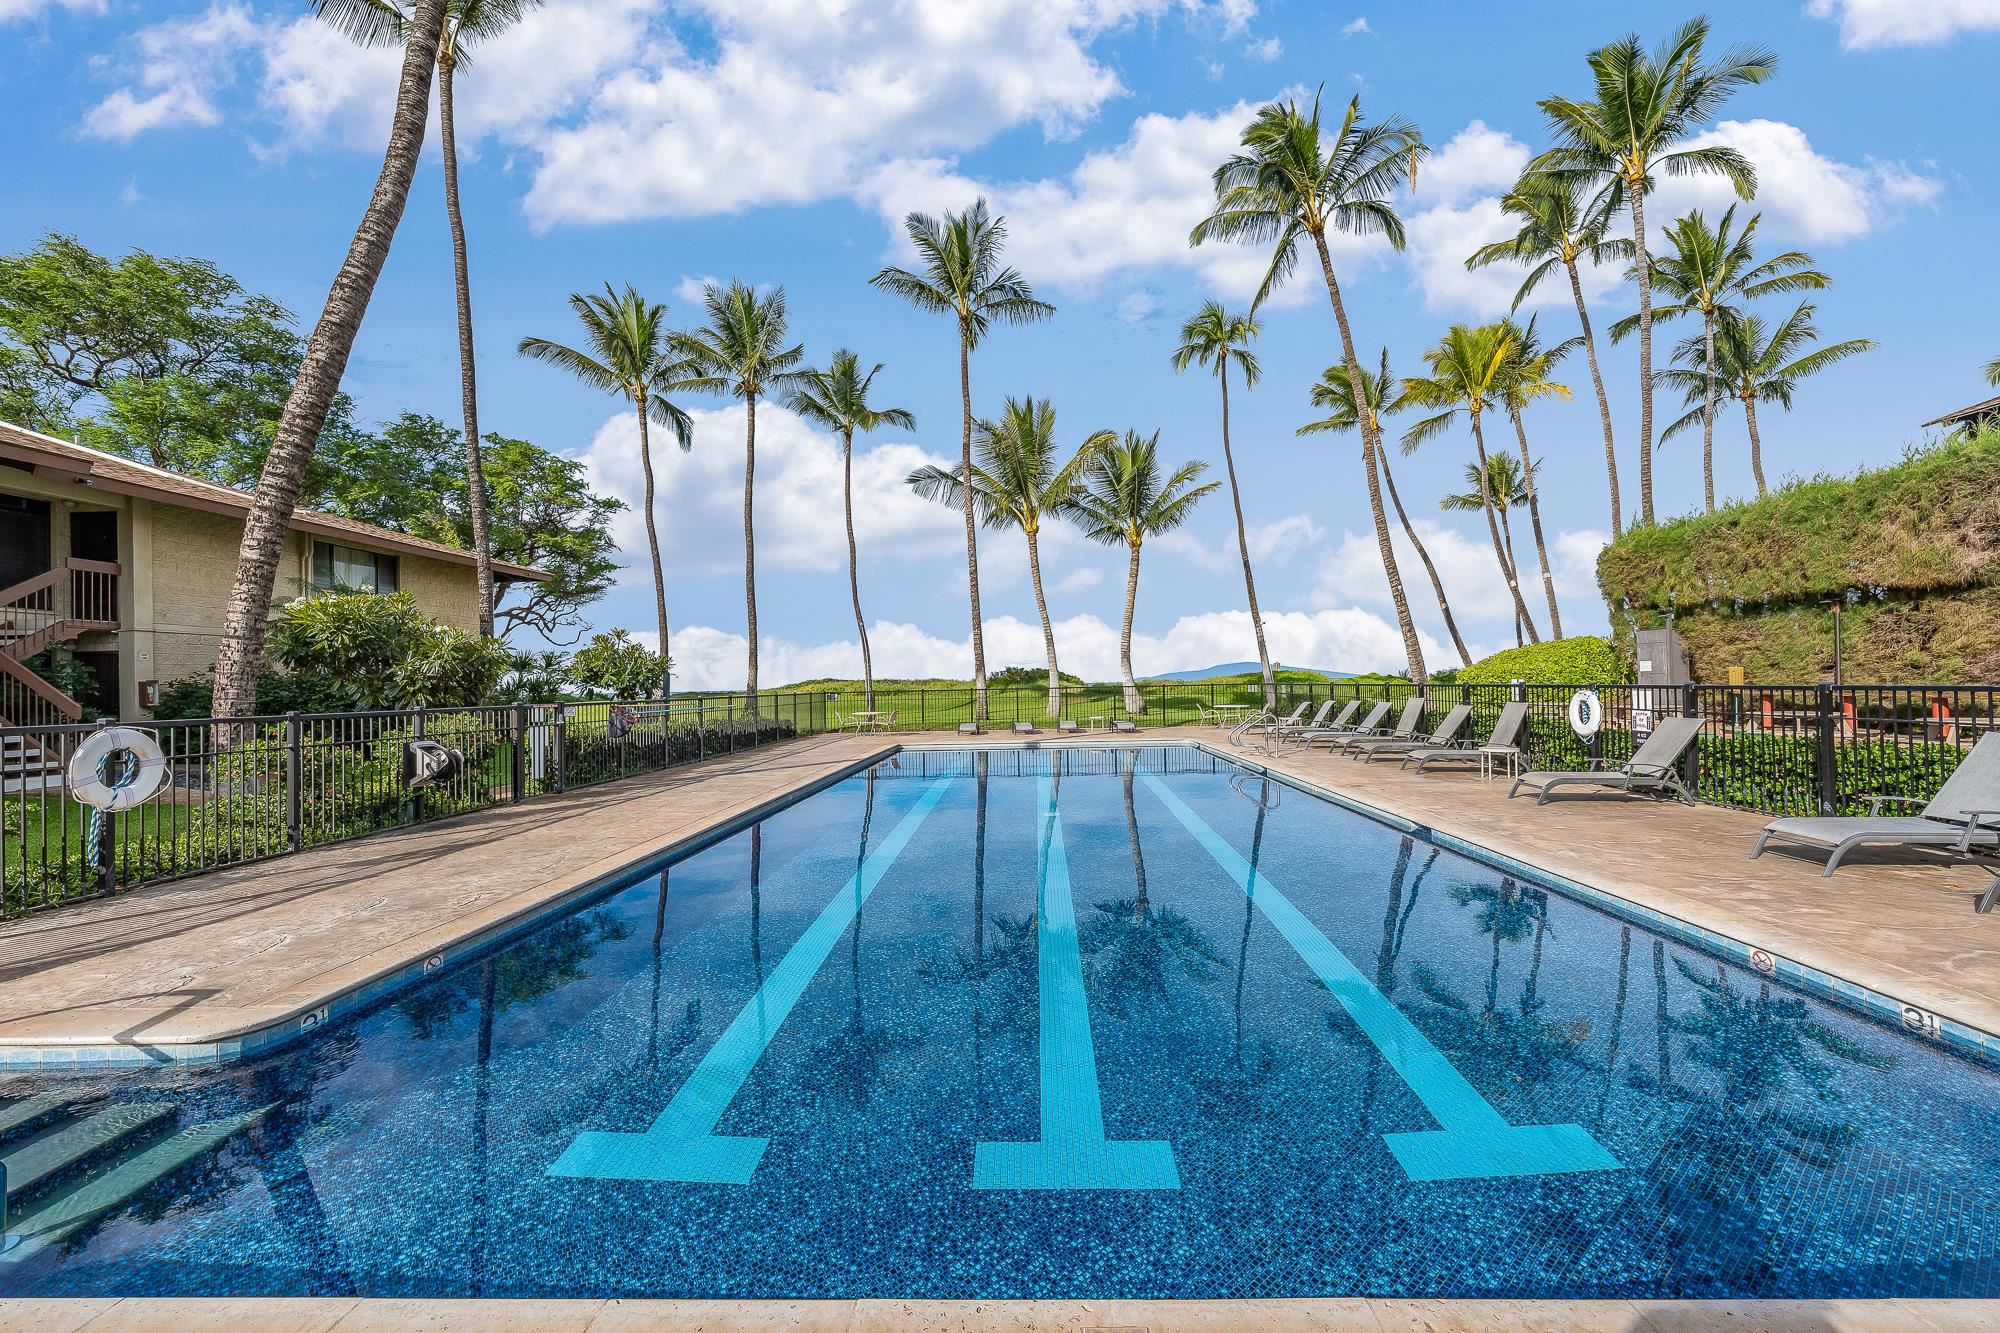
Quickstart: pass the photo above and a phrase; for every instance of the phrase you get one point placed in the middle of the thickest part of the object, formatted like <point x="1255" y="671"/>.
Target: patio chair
<point x="1317" y="722"/>
<point x="968" y="728"/>
<point x="1405" y="729"/>
<point x="1068" y="727"/>
<point x="1259" y="723"/>
<point x="1124" y="724"/>
<point x="1369" y="725"/>
<point x="1964" y="817"/>
<point x="1022" y="728"/>
<point x="1393" y="746"/>
<point x="1506" y="730"/>
<point x="1653" y="769"/>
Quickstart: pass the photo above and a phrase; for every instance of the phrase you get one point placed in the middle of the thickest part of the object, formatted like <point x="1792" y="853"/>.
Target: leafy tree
<point x="247" y="619"/>
<point x="1507" y="486"/>
<point x="1018" y="482"/>
<point x="617" y="664"/>
<point x="380" y="651"/>
<point x="1124" y="499"/>
<point x="1633" y="129"/>
<point x="837" y="399"/>
<point x="1993" y="372"/>
<point x="1289" y="184"/>
<point x="962" y="277"/>
<point x="741" y="352"/>
<point x="1526" y="380"/>
<point x="628" y="356"/>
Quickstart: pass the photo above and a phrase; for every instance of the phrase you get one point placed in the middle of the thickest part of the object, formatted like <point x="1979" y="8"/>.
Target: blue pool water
<point x="964" y="1026"/>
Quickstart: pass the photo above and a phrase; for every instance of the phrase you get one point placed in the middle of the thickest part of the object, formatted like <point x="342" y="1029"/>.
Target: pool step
<point x="74" y="1142"/>
<point x="27" y="1114"/>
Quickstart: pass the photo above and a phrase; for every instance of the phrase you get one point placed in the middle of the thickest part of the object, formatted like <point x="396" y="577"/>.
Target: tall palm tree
<point x="1125" y="500"/>
<point x="1706" y="272"/>
<point x="1210" y="338"/>
<point x="1758" y="364"/>
<point x="1526" y="380"/>
<point x="961" y="276"/>
<point x="1993" y="372"/>
<point x="1468" y="367"/>
<point x="1633" y="127"/>
<point x="1290" y="183"/>
<point x="628" y="355"/>
<point x="1017" y="482"/>
<point x="1503" y="480"/>
<point x="1335" y="394"/>
<point x="1560" y="225"/>
<point x="741" y="352"/>
<point x="466" y="24"/>
<point x="247" y="619"/>
<point x="837" y="399"/>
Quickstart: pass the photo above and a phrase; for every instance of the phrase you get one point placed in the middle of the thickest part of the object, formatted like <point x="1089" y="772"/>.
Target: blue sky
<point x="780" y="141"/>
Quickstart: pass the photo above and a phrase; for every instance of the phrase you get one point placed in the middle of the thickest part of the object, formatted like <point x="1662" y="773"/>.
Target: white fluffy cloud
<point x="15" y="10"/>
<point x="1803" y="194"/>
<point x="1471" y="575"/>
<point x="173" y="73"/>
<point x="1872" y="23"/>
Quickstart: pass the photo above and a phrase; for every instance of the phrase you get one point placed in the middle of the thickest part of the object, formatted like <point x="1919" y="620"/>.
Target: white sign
<point x="1642" y="722"/>
<point x="1586" y="714"/>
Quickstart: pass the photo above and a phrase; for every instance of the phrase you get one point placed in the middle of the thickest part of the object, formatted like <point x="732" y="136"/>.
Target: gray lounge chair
<point x="1369" y="725"/>
<point x="1964" y="817"/>
<point x="1279" y="730"/>
<point x="1343" y="721"/>
<point x="1405" y="729"/>
<point x="1258" y="724"/>
<point x="1068" y="727"/>
<point x="1124" y="724"/>
<point x="1506" y="732"/>
<point x="1023" y="728"/>
<point x="968" y="728"/>
<point x="1653" y="769"/>
<point x="1395" y="746"/>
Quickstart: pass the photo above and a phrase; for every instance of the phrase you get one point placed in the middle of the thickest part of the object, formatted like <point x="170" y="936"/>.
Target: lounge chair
<point x="1393" y="746"/>
<point x="968" y="728"/>
<point x="1964" y="817"/>
<point x="1068" y="727"/>
<point x="1369" y="725"/>
<point x="1022" y="728"/>
<point x="1506" y="730"/>
<point x="1992" y="891"/>
<point x="1317" y="722"/>
<point x="1258" y="724"/>
<point x="1124" y="724"/>
<point x="1653" y="769"/>
<point x="1405" y="729"/>
<point x="1342" y="724"/>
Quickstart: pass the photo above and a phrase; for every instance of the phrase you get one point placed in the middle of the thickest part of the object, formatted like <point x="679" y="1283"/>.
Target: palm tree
<point x="1467" y="367"/>
<point x="1125" y="500"/>
<point x="1289" y="183"/>
<point x="247" y="619"/>
<point x="741" y="352"/>
<point x="1560" y="226"/>
<point x="962" y="277"/>
<point x="1526" y="380"/>
<point x="1211" y="338"/>
<point x="1757" y="366"/>
<point x="1993" y="372"/>
<point x="1015" y="484"/>
<point x="1631" y="129"/>
<point x="466" y="23"/>
<point x="1706" y="272"/>
<point x="1508" y="487"/>
<point x="1335" y="394"/>
<point x="628" y="356"/>
<point x="837" y="399"/>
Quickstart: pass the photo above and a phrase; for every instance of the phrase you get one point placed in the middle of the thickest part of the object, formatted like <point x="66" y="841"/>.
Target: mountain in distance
<point x="1243" y="669"/>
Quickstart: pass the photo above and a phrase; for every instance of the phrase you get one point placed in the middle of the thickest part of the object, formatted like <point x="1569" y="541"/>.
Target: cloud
<point x="1471" y="575"/>
<point x="1865" y="24"/>
<point x="1355" y="27"/>
<point x="1801" y="193"/>
<point x="12" y="11"/>
<point x="1268" y="49"/>
<point x="1081" y="579"/>
<point x="173" y="73"/>
<point x="1136" y="306"/>
<point x="131" y="195"/>
<point x="694" y="287"/>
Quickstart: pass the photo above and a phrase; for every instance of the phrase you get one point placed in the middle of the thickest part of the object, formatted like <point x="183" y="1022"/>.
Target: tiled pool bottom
<point x="873" y="1048"/>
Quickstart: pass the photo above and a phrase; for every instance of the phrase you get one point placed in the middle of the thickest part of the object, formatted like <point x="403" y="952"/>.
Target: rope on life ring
<point x="114" y="769"/>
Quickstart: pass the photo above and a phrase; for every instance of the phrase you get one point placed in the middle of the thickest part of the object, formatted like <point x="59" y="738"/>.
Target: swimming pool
<point x="1042" y="1023"/>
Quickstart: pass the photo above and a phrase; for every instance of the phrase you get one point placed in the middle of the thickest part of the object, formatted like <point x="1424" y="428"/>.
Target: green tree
<point x="1210" y="338"/>
<point x="1758" y="364"/>
<point x="1334" y="394"/>
<point x="1017" y="482"/>
<point x="1559" y="226"/>
<point x="1125" y="499"/>
<point x="1503" y="480"/>
<point x="1993" y="371"/>
<point x="741" y="352"/>
<point x="1289" y="184"/>
<point x="247" y="618"/>
<point x="1527" y="380"/>
<point x="380" y="651"/>
<point x="836" y="399"/>
<point x="628" y="356"/>
<point x="1633" y="129"/>
<point x="1468" y="367"/>
<point x="961" y="276"/>
<point x="617" y="664"/>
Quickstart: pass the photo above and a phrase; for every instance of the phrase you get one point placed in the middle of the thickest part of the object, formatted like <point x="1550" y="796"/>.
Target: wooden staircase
<point x="57" y="606"/>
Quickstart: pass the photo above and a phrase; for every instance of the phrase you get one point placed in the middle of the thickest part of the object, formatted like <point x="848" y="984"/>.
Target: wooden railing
<point x="26" y="700"/>
<point x="73" y="598"/>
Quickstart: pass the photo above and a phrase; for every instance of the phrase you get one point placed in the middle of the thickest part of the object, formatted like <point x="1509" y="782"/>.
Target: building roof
<point x="1989" y="408"/>
<point x="51" y="458"/>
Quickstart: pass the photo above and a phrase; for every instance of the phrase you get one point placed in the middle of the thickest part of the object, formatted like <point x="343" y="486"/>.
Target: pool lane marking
<point x="682" y="1143"/>
<point x="1073" y="1153"/>
<point x="1475" y="1140"/>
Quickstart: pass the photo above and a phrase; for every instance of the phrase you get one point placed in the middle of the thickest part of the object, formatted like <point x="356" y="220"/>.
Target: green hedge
<point x="1583" y="660"/>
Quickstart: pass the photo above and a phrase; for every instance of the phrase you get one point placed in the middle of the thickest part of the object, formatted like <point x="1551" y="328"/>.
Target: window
<point x="351" y="569"/>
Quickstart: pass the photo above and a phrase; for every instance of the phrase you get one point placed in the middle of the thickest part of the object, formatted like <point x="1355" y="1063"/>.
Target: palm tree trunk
<point x="1134" y="704"/>
<point x="653" y="551"/>
<point x="1535" y="520"/>
<point x="1756" y="445"/>
<point x="1437" y="584"/>
<point x="750" y="547"/>
<point x="1603" y="402"/>
<point x="1371" y="445"/>
<point x="1493" y="528"/>
<point x="1243" y="546"/>
<point x="1708" y="410"/>
<point x="1507" y="538"/>
<point x="1140" y="902"/>
<point x="853" y="567"/>
<point x="971" y="530"/>
<point x="1048" y="631"/>
<point x="247" y="620"/>
<point x="1643" y="260"/>
<point x="468" y="392"/>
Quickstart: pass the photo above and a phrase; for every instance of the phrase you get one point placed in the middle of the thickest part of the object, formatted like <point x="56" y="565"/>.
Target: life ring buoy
<point x="1586" y="714"/>
<point x="101" y="779"/>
